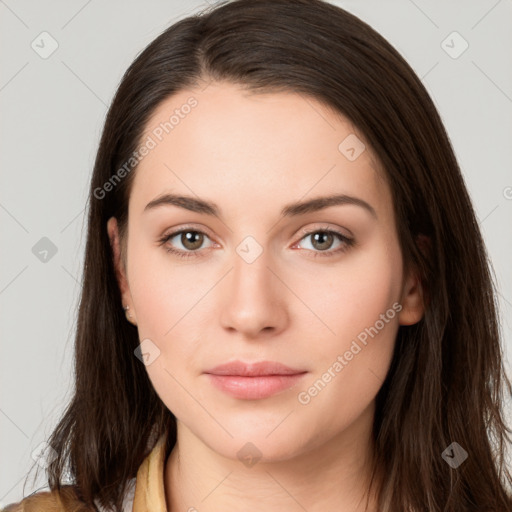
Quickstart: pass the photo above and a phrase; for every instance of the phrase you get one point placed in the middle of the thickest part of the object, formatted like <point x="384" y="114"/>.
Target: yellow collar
<point x="149" y="488"/>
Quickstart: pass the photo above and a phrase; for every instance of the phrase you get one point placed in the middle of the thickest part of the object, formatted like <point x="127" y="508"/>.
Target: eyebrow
<point x="291" y="210"/>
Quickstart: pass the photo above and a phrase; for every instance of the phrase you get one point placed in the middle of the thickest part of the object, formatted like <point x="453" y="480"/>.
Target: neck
<point x="333" y="476"/>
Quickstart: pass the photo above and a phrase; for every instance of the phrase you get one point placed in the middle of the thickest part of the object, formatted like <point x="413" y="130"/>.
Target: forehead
<point x="242" y="148"/>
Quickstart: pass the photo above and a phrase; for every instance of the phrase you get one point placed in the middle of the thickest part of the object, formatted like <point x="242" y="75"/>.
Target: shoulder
<point x="64" y="500"/>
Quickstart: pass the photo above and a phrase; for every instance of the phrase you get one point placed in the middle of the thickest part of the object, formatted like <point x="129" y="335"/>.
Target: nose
<point x="254" y="299"/>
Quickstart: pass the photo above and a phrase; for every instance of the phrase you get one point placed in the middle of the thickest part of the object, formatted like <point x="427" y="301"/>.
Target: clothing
<point x="145" y="493"/>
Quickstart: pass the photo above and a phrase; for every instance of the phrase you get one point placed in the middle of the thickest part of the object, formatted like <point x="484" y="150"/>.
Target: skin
<point x="252" y="155"/>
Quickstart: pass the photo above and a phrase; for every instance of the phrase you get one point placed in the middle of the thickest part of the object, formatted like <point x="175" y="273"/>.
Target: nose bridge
<point x="252" y="299"/>
<point x="251" y="272"/>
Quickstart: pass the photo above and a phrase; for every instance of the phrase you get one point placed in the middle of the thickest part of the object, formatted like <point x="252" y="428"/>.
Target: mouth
<point x="254" y="381"/>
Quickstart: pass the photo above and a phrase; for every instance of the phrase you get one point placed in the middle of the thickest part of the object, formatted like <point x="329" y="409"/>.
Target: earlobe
<point x="413" y="306"/>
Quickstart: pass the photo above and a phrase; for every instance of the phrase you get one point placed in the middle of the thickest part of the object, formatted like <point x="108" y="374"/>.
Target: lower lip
<point x="254" y="388"/>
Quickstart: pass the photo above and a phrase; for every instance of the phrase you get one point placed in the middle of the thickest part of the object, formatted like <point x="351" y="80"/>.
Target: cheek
<point x="167" y="301"/>
<point x="351" y="295"/>
<point x="359" y="304"/>
<point x="163" y="291"/>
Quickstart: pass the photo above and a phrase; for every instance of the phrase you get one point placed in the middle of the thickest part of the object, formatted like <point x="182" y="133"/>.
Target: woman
<point x="287" y="301"/>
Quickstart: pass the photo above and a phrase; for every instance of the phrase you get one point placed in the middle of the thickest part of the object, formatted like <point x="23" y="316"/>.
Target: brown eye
<point x="322" y="240"/>
<point x="185" y="243"/>
<point x="191" y="240"/>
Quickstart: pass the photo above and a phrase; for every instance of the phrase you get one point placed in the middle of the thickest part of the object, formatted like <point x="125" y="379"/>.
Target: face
<point x="253" y="276"/>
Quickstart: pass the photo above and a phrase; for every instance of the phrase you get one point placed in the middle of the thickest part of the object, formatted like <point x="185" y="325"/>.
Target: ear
<point x="115" y="244"/>
<point x="413" y="306"/>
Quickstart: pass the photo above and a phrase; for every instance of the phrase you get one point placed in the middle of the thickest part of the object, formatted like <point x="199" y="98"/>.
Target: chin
<point x="257" y="443"/>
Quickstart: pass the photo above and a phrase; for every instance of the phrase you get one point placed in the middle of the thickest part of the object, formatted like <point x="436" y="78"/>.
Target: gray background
<point x="52" y="111"/>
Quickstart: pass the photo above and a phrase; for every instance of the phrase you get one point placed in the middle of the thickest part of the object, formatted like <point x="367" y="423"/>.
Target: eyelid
<point x="186" y="227"/>
<point x="348" y="240"/>
<point x="325" y="227"/>
<point x="302" y="232"/>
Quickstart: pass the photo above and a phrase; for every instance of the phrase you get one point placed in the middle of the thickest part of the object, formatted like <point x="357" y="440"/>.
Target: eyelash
<point x="347" y="243"/>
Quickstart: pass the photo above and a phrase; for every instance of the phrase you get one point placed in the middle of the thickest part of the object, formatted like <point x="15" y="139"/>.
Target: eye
<point x="323" y="239"/>
<point x="190" y="239"/>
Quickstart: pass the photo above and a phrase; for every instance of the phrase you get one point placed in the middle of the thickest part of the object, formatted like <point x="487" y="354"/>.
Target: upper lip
<point x="253" y="369"/>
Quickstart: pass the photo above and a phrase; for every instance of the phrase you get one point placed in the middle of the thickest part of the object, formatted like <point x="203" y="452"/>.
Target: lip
<point x="257" y="369"/>
<point x="254" y="381"/>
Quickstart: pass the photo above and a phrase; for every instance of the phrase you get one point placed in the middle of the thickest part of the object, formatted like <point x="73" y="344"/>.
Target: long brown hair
<point x="446" y="382"/>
